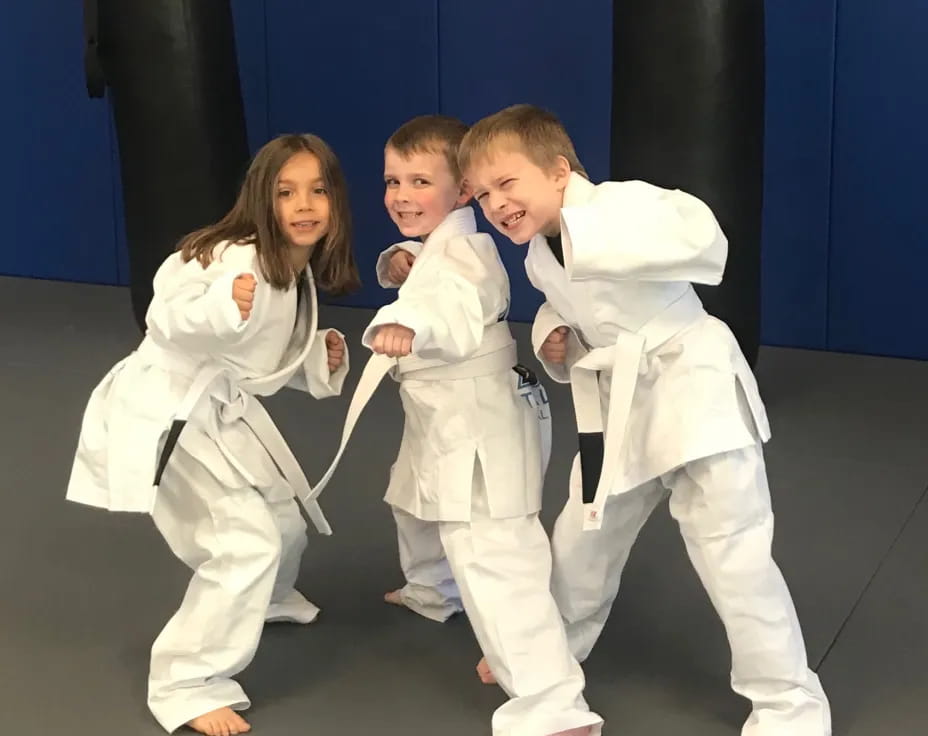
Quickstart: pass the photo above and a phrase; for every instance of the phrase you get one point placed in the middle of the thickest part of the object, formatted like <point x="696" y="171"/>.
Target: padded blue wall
<point x="879" y="231"/>
<point x="797" y="172"/>
<point x="56" y="203"/>
<point x="846" y="157"/>
<point x="493" y="54"/>
<point x="351" y="73"/>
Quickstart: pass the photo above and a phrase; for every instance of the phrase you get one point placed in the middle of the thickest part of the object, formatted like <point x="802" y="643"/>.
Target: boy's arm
<point x="636" y="231"/>
<point x="546" y="321"/>
<point x="444" y="301"/>
<point x="383" y="261"/>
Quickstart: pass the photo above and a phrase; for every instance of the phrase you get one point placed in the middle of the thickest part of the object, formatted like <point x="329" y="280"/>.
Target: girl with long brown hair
<point x="175" y="431"/>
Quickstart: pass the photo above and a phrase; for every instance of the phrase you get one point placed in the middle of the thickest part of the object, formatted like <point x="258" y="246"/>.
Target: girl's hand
<point x="335" y="349"/>
<point x="243" y="292"/>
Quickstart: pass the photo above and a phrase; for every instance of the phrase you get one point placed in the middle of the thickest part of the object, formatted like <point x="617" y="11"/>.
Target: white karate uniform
<point x="470" y="464"/>
<point x="681" y="412"/>
<point x="430" y="589"/>
<point x="225" y="503"/>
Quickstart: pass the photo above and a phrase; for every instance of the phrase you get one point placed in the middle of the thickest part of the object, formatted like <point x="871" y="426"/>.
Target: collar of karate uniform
<point x="458" y="222"/>
<point x="556" y="248"/>
<point x="579" y="190"/>
<point x="306" y="327"/>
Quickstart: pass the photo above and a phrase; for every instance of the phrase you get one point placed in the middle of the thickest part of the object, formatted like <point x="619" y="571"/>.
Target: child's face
<point x="420" y="191"/>
<point x="518" y="197"/>
<point x="302" y="201"/>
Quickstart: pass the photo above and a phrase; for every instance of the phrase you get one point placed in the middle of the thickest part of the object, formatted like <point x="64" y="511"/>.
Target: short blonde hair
<point x="531" y="130"/>
<point x="430" y="134"/>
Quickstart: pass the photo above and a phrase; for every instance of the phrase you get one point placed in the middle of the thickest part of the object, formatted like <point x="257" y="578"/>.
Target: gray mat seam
<point x="872" y="578"/>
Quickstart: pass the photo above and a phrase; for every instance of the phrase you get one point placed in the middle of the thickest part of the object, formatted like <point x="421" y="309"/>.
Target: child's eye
<point x="321" y="190"/>
<point x="284" y="192"/>
<point x="480" y="196"/>
<point x="421" y="182"/>
<point x="507" y="182"/>
<point x="390" y="182"/>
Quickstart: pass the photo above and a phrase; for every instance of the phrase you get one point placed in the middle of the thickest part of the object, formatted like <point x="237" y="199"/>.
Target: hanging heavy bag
<point x="171" y="70"/>
<point x="688" y="113"/>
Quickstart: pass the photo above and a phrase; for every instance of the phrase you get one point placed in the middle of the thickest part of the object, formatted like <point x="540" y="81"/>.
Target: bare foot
<point x="395" y="597"/>
<point x="579" y="731"/>
<point x="486" y="677"/>
<point x="220" y="722"/>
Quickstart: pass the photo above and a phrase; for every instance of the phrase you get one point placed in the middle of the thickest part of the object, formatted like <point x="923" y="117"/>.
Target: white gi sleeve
<point x="193" y="307"/>
<point x="383" y="261"/>
<point x="448" y="298"/>
<point x="636" y="231"/>
<point x="547" y="319"/>
<point x="315" y="378"/>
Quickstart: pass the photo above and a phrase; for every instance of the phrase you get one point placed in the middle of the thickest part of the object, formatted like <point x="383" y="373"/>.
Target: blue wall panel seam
<point x="267" y="79"/>
<point x="438" y="100"/>
<point x="115" y="180"/>
<point x="829" y="244"/>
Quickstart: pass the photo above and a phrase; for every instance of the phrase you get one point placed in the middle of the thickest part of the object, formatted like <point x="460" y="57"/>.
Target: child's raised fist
<point x="399" y="266"/>
<point x="243" y="292"/>
<point x="335" y="350"/>
<point x="554" y="348"/>
<point x="393" y="340"/>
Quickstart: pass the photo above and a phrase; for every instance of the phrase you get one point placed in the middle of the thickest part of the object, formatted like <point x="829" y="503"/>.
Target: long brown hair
<point x="253" y="216"/>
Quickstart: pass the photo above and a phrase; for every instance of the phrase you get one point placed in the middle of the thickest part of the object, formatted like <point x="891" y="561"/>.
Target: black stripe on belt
<point x="173" y="433"/>
<point x="591" y="463"/>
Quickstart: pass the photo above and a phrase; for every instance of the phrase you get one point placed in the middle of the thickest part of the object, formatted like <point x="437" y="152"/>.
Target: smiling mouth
<point x="408" y="216"/>
<point x="304" y="224"/>
<point x="513" y="218"/>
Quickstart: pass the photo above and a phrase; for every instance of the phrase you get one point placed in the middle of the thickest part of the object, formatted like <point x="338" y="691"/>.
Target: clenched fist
<point x="393" y="340"/>
<point x="335" y="349"/>
<point x="399" y="266"/>
<point x="243" y="292"/>
<point x="554" y="348"/>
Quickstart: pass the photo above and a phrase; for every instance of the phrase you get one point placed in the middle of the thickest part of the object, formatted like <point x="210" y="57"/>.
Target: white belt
<point x="213" y="381"/>
<point x="599" y="450"/>
<point x="495" y="337"/>
<point x="480" y="365"/>
<point x="497" y="353"/>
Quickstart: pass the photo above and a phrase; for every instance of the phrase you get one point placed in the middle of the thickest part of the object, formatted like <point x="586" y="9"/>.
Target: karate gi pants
<point x="722" y="505"/>
<point x="503" y="570"/>
<point x="244" y="548"/>
<point x="430" y="589"/>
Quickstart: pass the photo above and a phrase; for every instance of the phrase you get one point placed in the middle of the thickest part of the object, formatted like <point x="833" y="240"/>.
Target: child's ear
<point x="465" y="192"/>
<point x="561" y="172"/>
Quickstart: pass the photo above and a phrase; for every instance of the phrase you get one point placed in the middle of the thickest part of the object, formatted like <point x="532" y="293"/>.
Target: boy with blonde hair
<point x="664" y="400"/>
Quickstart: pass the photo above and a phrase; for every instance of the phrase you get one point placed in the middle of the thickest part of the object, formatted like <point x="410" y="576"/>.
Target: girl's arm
<point x="315" y="377"/>
<point x="193" y="307"/>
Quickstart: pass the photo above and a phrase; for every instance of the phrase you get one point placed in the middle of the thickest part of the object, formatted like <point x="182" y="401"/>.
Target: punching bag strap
<point x="93" y="69"/>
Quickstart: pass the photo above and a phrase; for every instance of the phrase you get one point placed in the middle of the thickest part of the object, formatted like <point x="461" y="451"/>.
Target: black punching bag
<point x="172" y="72"/>
<point x="688" y="113"/>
